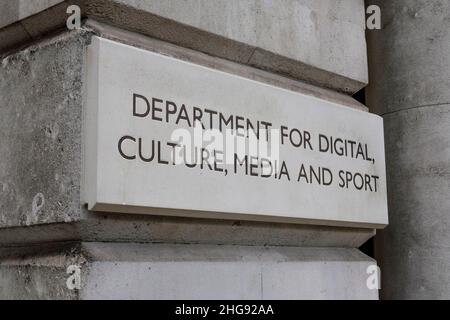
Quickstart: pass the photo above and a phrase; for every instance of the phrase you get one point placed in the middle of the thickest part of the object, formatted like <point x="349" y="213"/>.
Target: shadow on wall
<point x="368" y="247"/>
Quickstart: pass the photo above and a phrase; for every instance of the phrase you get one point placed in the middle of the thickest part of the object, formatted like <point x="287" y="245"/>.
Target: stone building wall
<point x="313" y="47"/>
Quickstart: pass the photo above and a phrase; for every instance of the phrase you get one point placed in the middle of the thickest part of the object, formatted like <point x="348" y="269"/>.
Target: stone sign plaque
<point x="168" y="137"/>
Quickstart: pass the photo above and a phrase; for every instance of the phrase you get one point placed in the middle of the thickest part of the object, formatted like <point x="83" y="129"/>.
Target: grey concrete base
<point x="152" y="271"/>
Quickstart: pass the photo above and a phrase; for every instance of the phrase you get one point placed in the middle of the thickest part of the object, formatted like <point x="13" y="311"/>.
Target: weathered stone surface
<point x="158" y="229"/>
<point x="150" y="271"/>
<point x="15" y="10"/>
<point x="409" y="69"/>
<point x="39" y="272"/>
<point x="40" y="126"/>
<point x="282" y="30"/>
<point x="409" y="60"/>
<point x="321" y="42"/>
<point x="412" y="250"/>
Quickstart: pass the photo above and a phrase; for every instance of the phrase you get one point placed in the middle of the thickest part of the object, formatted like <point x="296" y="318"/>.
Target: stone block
<point x="318" y="42"/>
<point x="152" y="271"/>
<point x="409" y="61"/>
<point x="414" y="243"/>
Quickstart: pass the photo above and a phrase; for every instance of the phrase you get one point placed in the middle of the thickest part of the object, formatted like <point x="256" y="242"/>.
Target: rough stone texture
<point x="158" y="229"/>
<point x="150" y="271"/>
<point x="409" y="85"/>
<point x="413" y="249"/>
<point x="40" y="127"/>
<point x="282" y="30"/>
<point x="38" y="272"/>
<point x="321" y="42"/>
